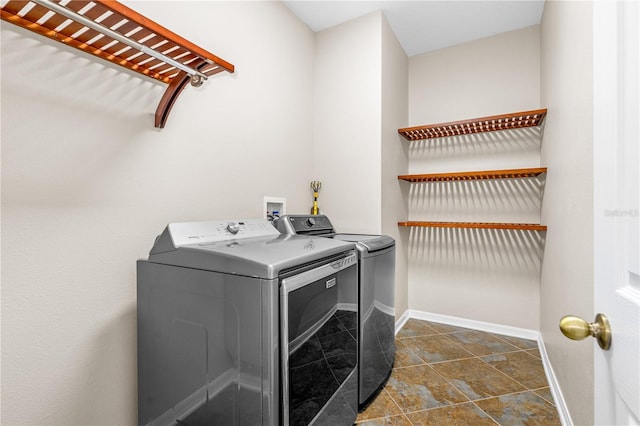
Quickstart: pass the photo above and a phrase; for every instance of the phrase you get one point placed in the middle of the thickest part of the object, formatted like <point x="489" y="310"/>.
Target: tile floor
<point x="445" y="375"/>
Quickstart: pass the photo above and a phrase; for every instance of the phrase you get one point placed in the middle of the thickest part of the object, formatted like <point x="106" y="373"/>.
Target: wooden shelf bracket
<point x="111" y="31"/>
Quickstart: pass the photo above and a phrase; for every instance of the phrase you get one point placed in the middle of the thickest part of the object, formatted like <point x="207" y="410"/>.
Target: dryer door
<point x="319" y="311"/>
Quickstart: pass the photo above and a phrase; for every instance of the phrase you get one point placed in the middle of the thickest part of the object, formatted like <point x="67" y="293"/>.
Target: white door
<point x="616" y="193"/>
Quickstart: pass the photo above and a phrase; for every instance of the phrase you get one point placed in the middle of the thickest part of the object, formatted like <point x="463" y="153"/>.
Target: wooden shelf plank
<point x="131" y="27"/>
<point x="477" y="175"/>
<point x="475" y="225"/>
<point x="516" y="120"/>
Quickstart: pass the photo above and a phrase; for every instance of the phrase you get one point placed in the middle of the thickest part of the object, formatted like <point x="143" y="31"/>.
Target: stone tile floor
<point x="445" y="375"/>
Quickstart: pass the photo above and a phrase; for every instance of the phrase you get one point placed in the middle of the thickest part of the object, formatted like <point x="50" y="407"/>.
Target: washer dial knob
<point x="233" y="227"/>
<point x="311" y="221"/>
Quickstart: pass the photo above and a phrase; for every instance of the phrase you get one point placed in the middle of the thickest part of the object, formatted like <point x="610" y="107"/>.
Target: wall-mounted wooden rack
<point x="516" y="120"/>
<point x="475" y="225"/>
<point x="111" y="31"/>
<point x="488" y="174"/>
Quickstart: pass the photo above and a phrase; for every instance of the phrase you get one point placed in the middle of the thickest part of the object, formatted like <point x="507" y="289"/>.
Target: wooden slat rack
<point x="479" y="175"/>
<point x="111" y="31"/>
<point x="517" y="120"/>
<point x="476" y="225"/>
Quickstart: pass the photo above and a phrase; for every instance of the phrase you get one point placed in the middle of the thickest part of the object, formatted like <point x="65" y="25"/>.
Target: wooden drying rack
<point x="479" y="175"/>
<point x="516" y="120"/>
<point x="112" y="31"/>
<point x="475" y="225"/>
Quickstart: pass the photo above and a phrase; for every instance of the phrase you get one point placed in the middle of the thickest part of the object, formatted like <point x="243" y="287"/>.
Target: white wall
<point x="347" y="114"/>
<point x="87" y="184"/>
<point x="484" y="275"/>
<point x="567" y="273"/>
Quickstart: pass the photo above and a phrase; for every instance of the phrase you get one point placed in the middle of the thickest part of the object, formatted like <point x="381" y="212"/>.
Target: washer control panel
<point x="187" y="233"/>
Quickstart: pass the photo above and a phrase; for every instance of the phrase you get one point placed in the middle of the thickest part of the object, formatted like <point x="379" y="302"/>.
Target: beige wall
<point x="483" y="275"/>
<point x="347" y="122"/>
<point x="360" y="102"/>
<point x="492" y="75"/>
<point x="87" y="184"/>
<point x="567" y="274"/>
<point x="394" y="156"/>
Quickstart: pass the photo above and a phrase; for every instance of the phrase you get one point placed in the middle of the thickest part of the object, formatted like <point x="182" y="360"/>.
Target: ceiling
<point x="423" y="26"/>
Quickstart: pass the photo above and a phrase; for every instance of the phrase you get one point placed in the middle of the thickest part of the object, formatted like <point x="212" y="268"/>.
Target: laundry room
<point x="89" y="181"/>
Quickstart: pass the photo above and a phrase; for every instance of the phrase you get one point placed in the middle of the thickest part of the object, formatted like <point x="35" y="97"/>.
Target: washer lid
<point x="370" y="242"/>
<point x="213" y="248"/>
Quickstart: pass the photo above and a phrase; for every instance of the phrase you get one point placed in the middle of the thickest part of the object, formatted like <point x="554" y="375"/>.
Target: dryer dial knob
<point x="233" y="227"/>
<point x="311" y="222"/>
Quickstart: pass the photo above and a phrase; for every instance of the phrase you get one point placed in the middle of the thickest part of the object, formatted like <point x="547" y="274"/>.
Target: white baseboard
<point x="522" y="333"/>
<point x="402" y="320"/>
<point x="505" y="330"/>
<point x="563" y="410"/>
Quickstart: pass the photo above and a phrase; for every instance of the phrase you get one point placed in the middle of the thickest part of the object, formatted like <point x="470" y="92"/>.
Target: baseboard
<point x="522" y="333"/>
<point x="402" y="320"/>
<point x="563" y="410"/>
<point x="505" y="330"/>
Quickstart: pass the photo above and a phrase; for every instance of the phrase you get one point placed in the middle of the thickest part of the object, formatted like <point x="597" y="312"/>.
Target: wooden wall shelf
<point x="475" y="225"/>
<point x="109" y="30"/>
<point x="516" y="120"/>
<point x="488" y="174"/>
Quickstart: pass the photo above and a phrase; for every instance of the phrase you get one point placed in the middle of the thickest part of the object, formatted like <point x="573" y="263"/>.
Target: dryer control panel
<point x="304" y="224"/>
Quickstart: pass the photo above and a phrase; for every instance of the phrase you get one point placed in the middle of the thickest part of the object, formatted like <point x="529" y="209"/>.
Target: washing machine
<point x="376" y="278"/>
<point x="239" y="324"/>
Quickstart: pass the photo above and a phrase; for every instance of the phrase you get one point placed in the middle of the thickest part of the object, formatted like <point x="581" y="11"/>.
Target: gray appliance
<point x="241" y="325"/>
<point x="376" y="277"/>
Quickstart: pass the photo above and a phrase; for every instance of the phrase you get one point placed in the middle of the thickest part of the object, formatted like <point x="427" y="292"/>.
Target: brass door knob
<point x="576" y="328"/>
